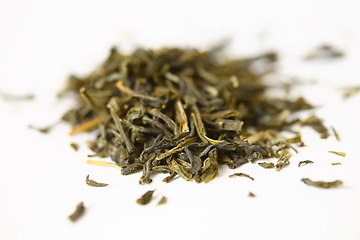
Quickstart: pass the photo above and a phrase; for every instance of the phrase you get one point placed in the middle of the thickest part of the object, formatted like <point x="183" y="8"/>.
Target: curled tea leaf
<point x="283" y="161"/>
<point x="267" y="164"/>
<point x="79" y="212"/>
<point x="335" y="163"/>
<point x="322" y="184"/>
<point x="317" y="124"/>
<point x="93" y="183"/>
<point x="74" y="146"/>
<point x="241" y="175"/>
<point x="302" y="163"/>
<point x="251" y="194"/>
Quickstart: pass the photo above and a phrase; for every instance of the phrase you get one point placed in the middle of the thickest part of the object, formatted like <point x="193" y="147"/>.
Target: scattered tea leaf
<point x="337" y="163"/>
<point x="74" y="146"/>
<point x="43" y="130"/>
<point x="10" y="97"/>
<point x="241" y="175"/>
<point x="267" y="164"/>
<point x="283" y="161"/>
<point x="338" y="153"/>
<point x="335" y="133"/>
<point x="324" y="52"/>
<point x="79" y="212"/>
<point x="93" y="183"/>
<point x="317" y="124"/>
<point x="322" y="184"/>
<point x="251" y="194"/>
<point x="146" y="198"/>
<point x="302" y="163"/>
<point x="350" y="91"/>
<point x="163" y="200"/>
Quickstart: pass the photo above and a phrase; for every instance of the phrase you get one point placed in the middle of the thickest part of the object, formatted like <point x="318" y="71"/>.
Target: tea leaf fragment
<point x="302" y="163"/>
<point x="162" y="201"/>
<point x="241" y="175"/>
<point x="322" y="184"/>
<point x="343" y="154"/>
<point x="267" y="164"/>
<point x="78" y="213"/>
<point x="146" y="198"/>
<point x="93" y="183"/>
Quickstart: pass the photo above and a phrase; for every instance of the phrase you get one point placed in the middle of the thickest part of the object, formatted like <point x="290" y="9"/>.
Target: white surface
<point x="42" y="178"/>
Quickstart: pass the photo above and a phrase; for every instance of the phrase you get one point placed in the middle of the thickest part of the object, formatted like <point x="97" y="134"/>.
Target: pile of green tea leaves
<point x="184" y="112"/>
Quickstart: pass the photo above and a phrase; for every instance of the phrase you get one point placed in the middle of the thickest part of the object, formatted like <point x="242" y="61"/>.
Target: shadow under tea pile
<point x="181" y="112"/>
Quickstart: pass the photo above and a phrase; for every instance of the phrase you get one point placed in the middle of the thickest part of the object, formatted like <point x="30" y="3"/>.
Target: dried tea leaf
<point x="335" y="163"/>
<point x="43" y="130"/>
<point x="146" y="198"/>
<point x="241" y="175"/>
<point x="322" y="184"/>
<point x="343" y="154"/>
<point x="335" y="133"/>
<point x="163" y="200"/>
<point x="251" y="194"/>
<point x="10" y="97"/>
<point x="302" y="163"/>
<point x="74" y="146"/>
<point x="79" y="212"/>
<point x="267" y="164"/>
<point x="323" y="52"/>
<point x="183" y="113"/>
<point x="317" y="124"/>
<point x="93" y="183"/>
<point x="350" y="91"/>
<point x="283" y="161"/>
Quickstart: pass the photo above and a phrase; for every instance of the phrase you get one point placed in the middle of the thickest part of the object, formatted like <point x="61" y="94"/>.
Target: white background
<point x="42" y="178"/>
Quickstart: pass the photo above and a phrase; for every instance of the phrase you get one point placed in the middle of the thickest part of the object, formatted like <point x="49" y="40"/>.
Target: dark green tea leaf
<point x="302" y="163"/>
<point x="322" y="184"/>
<point x="146" y="198"/>
<point x="241" y="175"/>
<point x="267" y="164"/>
<point x="251" y="194"/>
<point x="93" y="183"/>
<point x="74" y="146"/>
<point x="79" y="212"/>
<point x="163" y="200"/>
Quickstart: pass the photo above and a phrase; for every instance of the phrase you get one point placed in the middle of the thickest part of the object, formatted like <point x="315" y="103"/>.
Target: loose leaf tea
<point x="348" y="92"/>
<point x="43" y="130"/>
<point x="337" y="163"/>
<point x="335" y="133"/>
<point x="93" y="183"/>
<point x="74" y="146"/>
<point x="283" y="161"/>
<point x="267" y="164"/>
<point x="302" y="163"/>
<point x="338" y="153"/>
<point x="322" y="184"/>
<point x="10" y="97"/>
<point x="317" y="124"/>
<point x="324" y="51"/>
<point x="241" y="175"/>
<point x="146" y="198"/>
<point x="79" y="212"/>
<point x="251" y="194"/>
<point x="183" y="112"/>
<point x="163" y="200"/>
